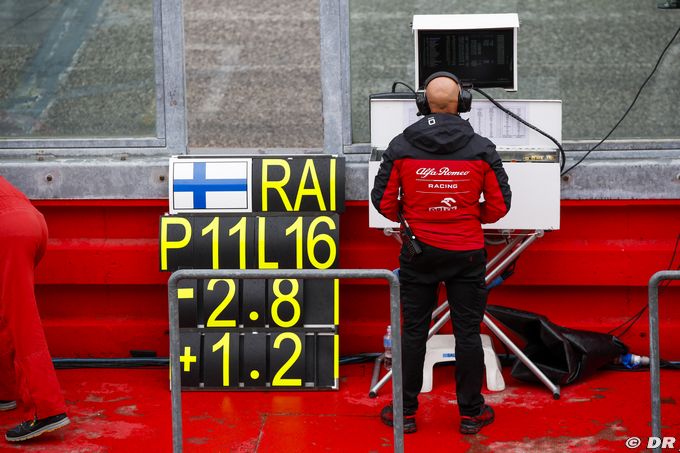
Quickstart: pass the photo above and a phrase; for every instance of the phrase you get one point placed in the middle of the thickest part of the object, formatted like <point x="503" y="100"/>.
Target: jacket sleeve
<point x="385" y="193"/>
<point x="497" y="194"/>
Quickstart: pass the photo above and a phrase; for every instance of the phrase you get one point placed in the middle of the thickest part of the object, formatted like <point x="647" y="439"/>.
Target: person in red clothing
<point x="434" y="174"/>
<point x="26" y="371"/>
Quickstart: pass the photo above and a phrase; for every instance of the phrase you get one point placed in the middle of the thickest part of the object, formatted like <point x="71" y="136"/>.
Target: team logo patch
<point x="448" y="204"/>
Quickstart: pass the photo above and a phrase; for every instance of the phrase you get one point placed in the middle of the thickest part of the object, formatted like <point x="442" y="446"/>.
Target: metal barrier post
<point x="654" y="361"/>
<point x="395" y="320"/>
<point x="175" y="376"/>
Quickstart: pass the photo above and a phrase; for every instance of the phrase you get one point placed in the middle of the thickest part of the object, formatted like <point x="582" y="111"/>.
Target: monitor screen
<point x="483" y="58"/>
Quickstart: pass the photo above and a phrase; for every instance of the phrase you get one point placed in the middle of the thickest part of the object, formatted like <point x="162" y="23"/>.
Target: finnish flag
<point x="210" y="185"/>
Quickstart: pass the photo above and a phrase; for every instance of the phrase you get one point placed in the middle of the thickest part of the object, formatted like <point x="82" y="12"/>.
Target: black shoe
<point x="472" y="425"/>
<point x="34" y="428"/>
<point x="6" y="405"/>
<point x="387" y="417"/>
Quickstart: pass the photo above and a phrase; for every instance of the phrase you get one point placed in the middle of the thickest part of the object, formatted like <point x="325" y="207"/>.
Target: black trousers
<point x="420" y="276"/>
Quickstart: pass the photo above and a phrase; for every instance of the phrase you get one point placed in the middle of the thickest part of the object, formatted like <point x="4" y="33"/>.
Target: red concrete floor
<point x="114" y="410"/>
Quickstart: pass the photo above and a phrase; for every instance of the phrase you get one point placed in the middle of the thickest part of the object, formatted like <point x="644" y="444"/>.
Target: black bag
<point x="562" y="354"/>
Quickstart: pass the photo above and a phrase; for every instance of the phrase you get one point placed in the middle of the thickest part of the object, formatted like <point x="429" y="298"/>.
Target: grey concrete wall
<point x="253" y="73"/>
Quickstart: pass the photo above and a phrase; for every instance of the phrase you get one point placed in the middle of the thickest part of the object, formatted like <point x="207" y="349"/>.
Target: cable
<point x="359" y="358"/>
<point x="26" y="17"/>
<point x="512" y="114"/>
<point x="629" y="107"/>
<point x="526" y="123"/>
<point x="665" y="364"/>
<point x="633" y="319"/>
<point x="124" y="362"/>
<point x="670" y="264"/>
<point x="669" y="364"/>
<point x="394" y="86"/>
<point x="559" y="146"/>
<point x="127" y="362"/>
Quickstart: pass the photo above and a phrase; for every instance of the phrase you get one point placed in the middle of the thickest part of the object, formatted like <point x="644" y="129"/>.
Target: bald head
<point x="442" y="95"/>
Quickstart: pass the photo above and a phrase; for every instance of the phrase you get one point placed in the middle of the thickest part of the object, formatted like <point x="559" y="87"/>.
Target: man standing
<point x="26" y="370"/>
<point x="434" y="174"/>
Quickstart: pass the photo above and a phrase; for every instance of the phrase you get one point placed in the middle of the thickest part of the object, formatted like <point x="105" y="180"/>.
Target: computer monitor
<point x="478" y="48"/>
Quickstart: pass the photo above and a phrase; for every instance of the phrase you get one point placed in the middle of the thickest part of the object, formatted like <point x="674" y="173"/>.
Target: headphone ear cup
<point x="422" y="104"/>
<point x="464" y="101"/>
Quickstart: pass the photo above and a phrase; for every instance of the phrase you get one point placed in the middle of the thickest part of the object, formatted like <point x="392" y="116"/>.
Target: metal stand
<point x="496" y="265"/>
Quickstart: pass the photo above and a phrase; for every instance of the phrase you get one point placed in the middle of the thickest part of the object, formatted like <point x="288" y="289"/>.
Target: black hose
<point x="134" y="362"/>
<point x="140" y="362"/>
<point x="124" y="362"/>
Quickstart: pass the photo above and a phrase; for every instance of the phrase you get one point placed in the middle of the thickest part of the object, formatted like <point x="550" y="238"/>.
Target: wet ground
<point x="115" y="410"/>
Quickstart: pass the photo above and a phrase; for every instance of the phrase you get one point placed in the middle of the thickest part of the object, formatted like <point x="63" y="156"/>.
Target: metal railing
<point x="654" y="360"/>
<point x="173" y="306"/>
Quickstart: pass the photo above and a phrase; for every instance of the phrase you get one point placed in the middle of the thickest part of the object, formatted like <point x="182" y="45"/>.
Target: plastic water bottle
<point x="387" y="342"/>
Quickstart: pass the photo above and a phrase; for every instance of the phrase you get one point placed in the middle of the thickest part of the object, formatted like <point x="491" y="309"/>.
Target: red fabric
<point x="26" y="370"/>
<point x="493" y="208"/>
<point x="389" y="201"/>
<point x="435" y="172"/>
<point x="441" y="200"/>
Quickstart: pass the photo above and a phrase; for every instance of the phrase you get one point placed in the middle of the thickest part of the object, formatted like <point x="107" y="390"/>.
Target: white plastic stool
<point x="440" y="348"/>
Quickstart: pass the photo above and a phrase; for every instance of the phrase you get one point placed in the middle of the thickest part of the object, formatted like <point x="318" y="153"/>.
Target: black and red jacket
<point x="435" y="173"/>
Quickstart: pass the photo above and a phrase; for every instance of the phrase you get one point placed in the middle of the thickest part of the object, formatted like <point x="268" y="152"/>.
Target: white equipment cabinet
<point x="530" y="159"/>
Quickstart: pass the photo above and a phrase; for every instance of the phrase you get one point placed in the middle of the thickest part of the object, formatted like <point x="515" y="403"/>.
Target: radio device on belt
<point x="408" y="237"/>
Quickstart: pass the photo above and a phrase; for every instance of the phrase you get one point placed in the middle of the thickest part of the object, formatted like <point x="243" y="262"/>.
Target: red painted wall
<point x="101" y="295"/>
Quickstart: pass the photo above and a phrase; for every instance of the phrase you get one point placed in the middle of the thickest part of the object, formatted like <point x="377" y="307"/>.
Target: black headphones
<point x="464" y="96"/>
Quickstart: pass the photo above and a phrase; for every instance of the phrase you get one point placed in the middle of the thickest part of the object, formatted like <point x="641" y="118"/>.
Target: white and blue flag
<point x="210" y="185"/>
